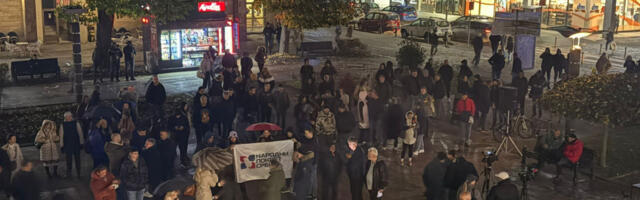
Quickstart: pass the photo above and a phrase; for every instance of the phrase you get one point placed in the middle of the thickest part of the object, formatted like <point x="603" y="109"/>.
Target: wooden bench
<point x="35" y="67"/>
<point x="323" y="47"/>
<point x="585" y="161"/>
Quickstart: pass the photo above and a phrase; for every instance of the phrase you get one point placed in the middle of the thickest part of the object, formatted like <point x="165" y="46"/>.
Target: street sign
<point x="507" y="23"/>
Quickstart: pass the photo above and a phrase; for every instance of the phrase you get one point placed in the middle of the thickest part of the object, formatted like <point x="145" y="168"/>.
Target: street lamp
<point x="578" y="36"/>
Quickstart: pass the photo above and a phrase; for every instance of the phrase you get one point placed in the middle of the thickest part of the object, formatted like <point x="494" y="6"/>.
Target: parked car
<point x="407" y="13"/>
<point x="467" y="26"/>
<point x="364" y="8"/>
<point x="379" y="21"/>
<point x="422" y="27"/>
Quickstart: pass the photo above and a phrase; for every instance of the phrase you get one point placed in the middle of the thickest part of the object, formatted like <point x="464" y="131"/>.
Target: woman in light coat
<point x="411" y="123"/>
<point x="49" y="139"/>
<point x="15" y="153"/>
<point x="205" y="180"/>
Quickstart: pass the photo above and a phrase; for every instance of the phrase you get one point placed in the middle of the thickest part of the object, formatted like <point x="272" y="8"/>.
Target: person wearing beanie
<point x="572" y="151"/>
<point x="504" y="190"/>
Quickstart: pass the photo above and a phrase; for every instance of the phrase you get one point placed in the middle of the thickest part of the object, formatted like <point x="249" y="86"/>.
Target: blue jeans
<point x="135" y="195"/>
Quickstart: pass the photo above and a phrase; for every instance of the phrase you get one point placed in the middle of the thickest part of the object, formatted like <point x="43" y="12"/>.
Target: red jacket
<point x="101" y="188"/>
<point x="466" y="105"/>
<point x="573" y="151"/>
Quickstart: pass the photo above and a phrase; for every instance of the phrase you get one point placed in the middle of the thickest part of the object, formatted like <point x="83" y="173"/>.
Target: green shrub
<point x="411" y="54"/>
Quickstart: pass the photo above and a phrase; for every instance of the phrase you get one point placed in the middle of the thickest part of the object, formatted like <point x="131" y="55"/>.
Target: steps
<point x="50" y="36"/>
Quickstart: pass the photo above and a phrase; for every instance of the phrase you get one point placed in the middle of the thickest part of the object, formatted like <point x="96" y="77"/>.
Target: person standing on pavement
<point x="206" y="67"/>
<point x="116" y="152"/>
<point x="433" y="40"/>
<point x="446" y="74"/>
<point x="330" y="165"/>
<point x="261" y="58"/>
<point x="14" y="156"/>
<point x="439" y="91"/>
<point x="246" y="63"/>
<point x="537" y="83"/>
<point x="167" y="148"/>
<point x="603" y="64"/>
<point x="504" y="190"/>
<point x="355" y="159"/>
<point x="495" y="42"/>
<point x="179" y="126"/>
<point x="48" y="139"/>
<point x="516" y="68"/>
<point x="497" y="64"/>
<point x="156" y="96"/>
<point x="477" y="48"/>
<point x="153" y="158"/>
<point x="129" y="54"/>
<point x="547" y="63"/>
<point x="96" y="140"/>
<point x="523" y="87"/>
<point x="376" y="115"/>
<point x="362" y="109"/>
<point x="345" y="122"/>
<point x="325" y="126"/>
<point x="457" y="172"/>
<point x="228" y="59"/>
<point x="466" y="108"/>
<point x="134" y="176"/>
<point x="424" y="110"/>
<point x="559" y="65"/>
<point x="305" y="183"/>
<point x="482" y="99"/>
<point x="410" y="126"/>
<point x="115" y="54"/>
<point x="282" y="104"/>
<point x="272" y="189"/>
<point x="465" y="70"/>
<point x="330" y="70"/>
<point x="71" y="142"/>
<point x="433" y="176"/>
<point x="495" y="103"/>
<point x="103" y="184"/>
<point x="395" y="123"/>
<point x="464" y="85"/>
<point x="510" y="47"/>
<point x="25" y="183"/>
<point x="268" y="32"/>
<point x="376" y="177"/>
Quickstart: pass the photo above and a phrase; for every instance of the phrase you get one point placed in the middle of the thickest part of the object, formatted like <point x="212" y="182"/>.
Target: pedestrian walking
<point x="410" y="126"/>
<point x="560" y="65"/>
<point x="497" y="64"/>
<point x="115" y="54"/>
<point x="116" y="152"/>
<point x="547" y="63"/>
<point x="103" y="184"/>
<point x="466" y="108"/>
<point x="134" y="176"/>
<point x="433" y="40"/>
<point x="433" y="176"/>
<point x="495" y="42"/>
<point x="477" y="44"/>
<point x="129" y="55"/>
<point x="47" y="140"/>
<point x="261" y="58"/>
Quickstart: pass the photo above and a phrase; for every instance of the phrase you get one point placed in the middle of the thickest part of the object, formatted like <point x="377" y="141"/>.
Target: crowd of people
<point x="339" y="124"/>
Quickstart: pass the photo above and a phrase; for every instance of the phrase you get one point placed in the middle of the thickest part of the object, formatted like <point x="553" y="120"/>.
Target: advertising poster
<point x="526" y="49"/>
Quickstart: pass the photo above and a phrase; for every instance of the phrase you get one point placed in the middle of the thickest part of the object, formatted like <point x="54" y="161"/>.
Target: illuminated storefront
<point x="183" y="44"/>
<point x="255" y="18"/>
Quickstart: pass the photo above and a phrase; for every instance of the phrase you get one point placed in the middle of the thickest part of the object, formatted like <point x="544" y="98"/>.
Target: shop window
<point x="189" y="45"/>
<point x="255" y="18"/>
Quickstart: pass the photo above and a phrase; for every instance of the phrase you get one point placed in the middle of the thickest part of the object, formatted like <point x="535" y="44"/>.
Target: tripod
<point x="525" y="176"/>
<point x="486" y="185"/>
<point x="507" y="138"/>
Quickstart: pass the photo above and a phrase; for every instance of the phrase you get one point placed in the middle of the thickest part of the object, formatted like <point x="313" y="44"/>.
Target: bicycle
<point x="519" y="125"/>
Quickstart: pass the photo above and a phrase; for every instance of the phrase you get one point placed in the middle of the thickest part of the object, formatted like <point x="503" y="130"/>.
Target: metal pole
<point x="77" y="59"/>
<point x="625" y="53"/>
<point x="555" y="42"/>
<point x="469" y="33"/>
<point x="600" y="50"/>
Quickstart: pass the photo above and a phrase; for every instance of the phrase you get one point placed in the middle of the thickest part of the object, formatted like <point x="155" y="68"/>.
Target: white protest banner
<point x="252" y="161"/>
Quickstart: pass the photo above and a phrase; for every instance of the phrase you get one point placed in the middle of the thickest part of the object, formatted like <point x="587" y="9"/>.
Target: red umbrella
<point x="263" y="126"/>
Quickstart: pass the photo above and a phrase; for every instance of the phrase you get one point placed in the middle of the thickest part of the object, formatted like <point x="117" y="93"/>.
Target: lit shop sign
<point x="215" y="6"/>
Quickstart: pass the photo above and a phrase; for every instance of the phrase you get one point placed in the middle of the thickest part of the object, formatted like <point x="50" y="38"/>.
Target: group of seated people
<point x="554" y="148"/>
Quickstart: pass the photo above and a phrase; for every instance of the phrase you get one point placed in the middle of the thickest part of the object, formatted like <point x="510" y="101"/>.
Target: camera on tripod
<point x="528" y="173"/>
<point x="489" y="156"/>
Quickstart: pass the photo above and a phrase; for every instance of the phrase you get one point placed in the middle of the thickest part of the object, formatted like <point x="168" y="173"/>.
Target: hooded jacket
<point x="573" y="150"/>
<point x="325" y="123"/>
<point x="205" y="179"/>
<point x="101" y="187"/>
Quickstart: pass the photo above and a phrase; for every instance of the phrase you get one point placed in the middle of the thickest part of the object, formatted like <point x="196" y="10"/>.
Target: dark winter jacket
<point x="510" y="44"/>
<point x="228" y="79"/>
<point x="306" y="72"/>
<point x="156" y="94"/>
<point x="537" y="82"/>
<point x="439" y="90"/>
<point x="446" y="73"/>
<point x="116" y="153"/>
<point x="547" y="61"/>
<point x="330" y="167"/>
<point x="384" y="91"/>
<point x="282" y="101"/>
<point x="225" y="110"/>
<point x="134" y="177"/>
<point x="433" y="178"/>
<point x="345" y="122"/>
<point x="560" y="62"/>
<point x="477" y="44"/>
<point x="630" y="66"/>
<point x="521" y="84"/>
<point x="328" y="70"/>
<point x="129" y="52"/>
<point x="395" y="121"/>
<point x="430" y="70"/>
<point x="167" y="149"/>
<point x="465" y="71"/>
<point x="504" y="190"/>
<point x="26" y="186"/>
<point x="251" y="105"/>
<point x="246" y="64"/>
<point x="72" y="137"/>
<point x="355" y="164"/>
<point x="497" y="62"/>
<point x="137" y="141"/>
<point x="176" y="121"/>
<point x="481" y="96"/>
<point x="153" y="159"/>
<point x="517" y="65"/>
<point x="411" y="85"/>
<point x="228" y="61"/>
<point x="463" y="87"/>
<point x="457" y="173"/>
<point x="380" y="175"/>
<point x="376" y="108"/>
<point x="325" y="86"/>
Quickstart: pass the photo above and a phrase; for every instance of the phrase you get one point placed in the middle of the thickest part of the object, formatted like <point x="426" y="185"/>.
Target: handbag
<point x="200" y="75"/>
<point x="38" y="145"/>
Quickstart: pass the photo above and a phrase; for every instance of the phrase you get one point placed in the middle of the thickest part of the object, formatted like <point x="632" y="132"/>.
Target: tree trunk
<point x="286" y="39"/>
<point x="605" y="146"/>
<point x="103" y="39"/>
<point x="283" y="39"/>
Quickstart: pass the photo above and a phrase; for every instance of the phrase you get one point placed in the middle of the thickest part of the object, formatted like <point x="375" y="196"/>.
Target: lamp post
<point x="77" y="50"/>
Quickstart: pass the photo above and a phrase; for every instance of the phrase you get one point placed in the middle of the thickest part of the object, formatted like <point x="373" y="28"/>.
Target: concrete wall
<point x="11" y="17"/>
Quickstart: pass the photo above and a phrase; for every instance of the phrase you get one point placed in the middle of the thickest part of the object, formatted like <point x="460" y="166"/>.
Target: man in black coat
<point x="537" y="83"/>
<point x="115" y="54"/>
<point x="167" y="148"/>
<point x="376" y="114"/>
<point x="411" y="83"/>
<point x="129" y="54"/>
<point x="266" y="102"/>
<point x="5" y="172"/>
<point x="477" y="48"/>
<point x="433" y="176"/>
<point x="134" y="174"/>
<point x="71" y="142"/>
<point x="25" y="183"/>
<point x="229" y="76"/>
<point x="520" y="82"/>
<point x="504" y="190"/>
<point x="156" y="96"/>
<point x="228" y="60"/>
<point x="153" y="158"/>
<point x="465" y="70"/>
<point x="306" y="72"/>
<point x="497" y="64"/>
<point x="345" y="122"/>
<point x="246" y="63"/>
<point x="457" y="173"/>
<point x="226" y="113"/>
<point x="517" y="66"/>
<point x="282" y="101"/>
<point x="330" y="167"/>
<point x="439" y="91"/>
<point x="355" y="161"/>
<point x="179" y="126"/>
<point x="495" y="42"/>
<point x="482" y="98"/>
<point x="251" y="107"/>
<point x="383" y="88"/>
<point x="446" y="75"/>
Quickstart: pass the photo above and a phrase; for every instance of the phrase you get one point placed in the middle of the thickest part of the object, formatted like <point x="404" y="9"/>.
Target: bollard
<point x="600" y="50"/>
<point x="582" y="57"/>
<point x="625" y="53"/>
<point x="555" y="42"/>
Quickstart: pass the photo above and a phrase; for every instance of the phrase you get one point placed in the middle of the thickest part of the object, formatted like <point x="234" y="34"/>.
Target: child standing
<point x="409" y="136"/>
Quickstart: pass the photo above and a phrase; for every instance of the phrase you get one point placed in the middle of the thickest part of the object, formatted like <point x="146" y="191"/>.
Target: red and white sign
<point x="215" y="6"/>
